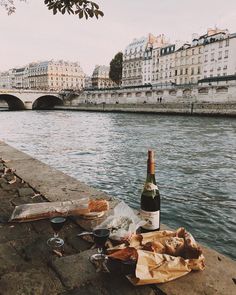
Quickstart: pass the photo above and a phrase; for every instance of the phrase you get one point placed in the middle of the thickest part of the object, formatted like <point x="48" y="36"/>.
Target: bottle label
<point x="149" y="186"/>
<point x="152" y="219"/>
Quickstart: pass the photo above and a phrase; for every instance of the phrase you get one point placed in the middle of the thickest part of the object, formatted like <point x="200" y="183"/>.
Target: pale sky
<point x="34" y="34"/>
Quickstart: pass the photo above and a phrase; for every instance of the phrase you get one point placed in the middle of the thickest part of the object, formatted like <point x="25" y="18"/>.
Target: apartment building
<point x="47" y="75"/>
<point x="100" y="77"/>
<point x="160" y="62"/>
<point x="219" y="56"/>
<point x="166" y="64"/>
<point x="137" y="57"/>
<point x="151" y="58"/>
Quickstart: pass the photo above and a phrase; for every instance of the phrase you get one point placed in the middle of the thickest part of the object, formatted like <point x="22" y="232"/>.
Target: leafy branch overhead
<point x="82" y="8"/>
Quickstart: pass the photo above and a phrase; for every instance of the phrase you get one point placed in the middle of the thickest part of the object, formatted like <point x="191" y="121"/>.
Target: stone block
<point x="88" y="289"/>
<point x="75" y="270"/>
<point x="70" y="234"/>
<point x="116" y="284"/>
<point x="2" y="181"/>
<point x="17" y="231"/>
<point x="25" y="192"/>
<point x="29" y="282"/>
<point x="10" y="260"/>
<point x="11" y="188"/>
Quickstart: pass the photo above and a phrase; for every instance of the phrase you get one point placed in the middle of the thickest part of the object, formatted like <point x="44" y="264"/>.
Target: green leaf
<point x="54" y="10"/>
<point x="95" y="5"/>
<point x="63" y="10"/>
<point x="81" y="13"/>
<point x="91" y="13"/>
<point x="100" y="13"/>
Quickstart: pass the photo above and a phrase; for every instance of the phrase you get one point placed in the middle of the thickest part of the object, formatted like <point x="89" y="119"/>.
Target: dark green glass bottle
<point x="150" y="198"/>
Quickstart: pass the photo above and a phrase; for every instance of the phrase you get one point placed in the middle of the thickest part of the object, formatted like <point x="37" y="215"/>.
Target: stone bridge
<point x="18" y="99"/>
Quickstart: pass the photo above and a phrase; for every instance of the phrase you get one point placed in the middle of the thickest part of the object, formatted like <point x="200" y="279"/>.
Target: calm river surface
<point x="195" y="161"/>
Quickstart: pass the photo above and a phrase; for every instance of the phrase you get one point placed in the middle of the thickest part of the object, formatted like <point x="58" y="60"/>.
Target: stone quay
<point x="28" y="267"/>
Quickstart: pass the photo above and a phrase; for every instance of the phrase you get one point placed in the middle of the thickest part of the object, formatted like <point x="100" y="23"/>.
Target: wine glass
<point x="100" y="237"/>
<point x="56" y="224"/>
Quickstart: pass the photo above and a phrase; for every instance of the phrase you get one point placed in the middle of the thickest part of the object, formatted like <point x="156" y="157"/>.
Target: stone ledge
<point x="218" y="278"/>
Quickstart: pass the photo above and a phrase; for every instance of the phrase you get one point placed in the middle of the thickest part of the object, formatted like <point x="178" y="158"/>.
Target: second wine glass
<point x="100" y="237"/>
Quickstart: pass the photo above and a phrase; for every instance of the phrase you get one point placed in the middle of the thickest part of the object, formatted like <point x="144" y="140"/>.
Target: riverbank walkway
<point x="27" y="266"/>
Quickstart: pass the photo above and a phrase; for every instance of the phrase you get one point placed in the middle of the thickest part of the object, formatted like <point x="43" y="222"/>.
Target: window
<point x="227" y="42"/>
<point x="226" y="53"/>
<point x="220" y="55"/>
<point x="212" y="56"/>
<point x="220" y="44"/>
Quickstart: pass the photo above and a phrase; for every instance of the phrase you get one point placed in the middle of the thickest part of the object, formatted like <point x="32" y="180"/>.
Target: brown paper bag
<point x="158" y="268"/>
<point x="153" y="267"/>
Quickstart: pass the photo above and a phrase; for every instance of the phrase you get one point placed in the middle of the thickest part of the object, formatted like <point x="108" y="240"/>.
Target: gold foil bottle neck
<point x="151" y="162"/>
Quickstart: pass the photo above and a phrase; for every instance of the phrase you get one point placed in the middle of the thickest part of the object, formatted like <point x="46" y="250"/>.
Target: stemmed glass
<point x="100" y="237"/>
<point x="56" y="224"/>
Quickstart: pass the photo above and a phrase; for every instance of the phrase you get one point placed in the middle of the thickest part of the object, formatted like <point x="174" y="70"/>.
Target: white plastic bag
<point x="123" y="223"/>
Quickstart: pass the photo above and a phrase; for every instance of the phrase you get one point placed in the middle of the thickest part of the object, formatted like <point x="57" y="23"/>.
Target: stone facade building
<point x="152" y="60"/>
<point x="137" y="60"/>
<point x="48" y="75"/>
<point x="219" y="56"/>
<point x="100" y="77"/>
<point x="88" y="82"/>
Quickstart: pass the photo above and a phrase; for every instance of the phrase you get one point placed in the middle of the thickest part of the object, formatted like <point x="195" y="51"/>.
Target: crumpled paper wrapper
<point x="153" y="267"/>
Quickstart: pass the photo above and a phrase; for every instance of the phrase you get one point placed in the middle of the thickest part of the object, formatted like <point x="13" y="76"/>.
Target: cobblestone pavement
<point x="25" y="259"/>
<point x="27" y="265"/>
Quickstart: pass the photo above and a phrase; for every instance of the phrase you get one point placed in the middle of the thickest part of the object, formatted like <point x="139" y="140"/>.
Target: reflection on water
<point x="195" y="161"/>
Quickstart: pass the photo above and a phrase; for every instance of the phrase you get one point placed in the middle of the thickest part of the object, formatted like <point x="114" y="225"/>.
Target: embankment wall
<point x="181" y="108"/>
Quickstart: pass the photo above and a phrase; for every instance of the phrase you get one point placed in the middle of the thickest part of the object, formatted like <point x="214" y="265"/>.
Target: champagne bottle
<point x="150" y="198"/>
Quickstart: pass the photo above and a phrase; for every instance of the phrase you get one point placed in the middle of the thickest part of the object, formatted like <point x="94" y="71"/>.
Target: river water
<point x="195" y="161"/>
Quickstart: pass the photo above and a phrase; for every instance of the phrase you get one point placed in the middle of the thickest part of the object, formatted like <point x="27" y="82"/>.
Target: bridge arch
<point x="46" y="102"/>
<point x="14" y="103"/>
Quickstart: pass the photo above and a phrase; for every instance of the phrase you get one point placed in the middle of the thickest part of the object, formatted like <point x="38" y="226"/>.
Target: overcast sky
<point x="34" y="34"/>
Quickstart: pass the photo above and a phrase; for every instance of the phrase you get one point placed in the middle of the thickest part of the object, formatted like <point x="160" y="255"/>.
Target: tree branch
<point x="82" y="8"/>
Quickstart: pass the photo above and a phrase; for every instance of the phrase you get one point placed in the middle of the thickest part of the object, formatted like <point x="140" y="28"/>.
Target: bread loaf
<point x="98" y="205"/>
